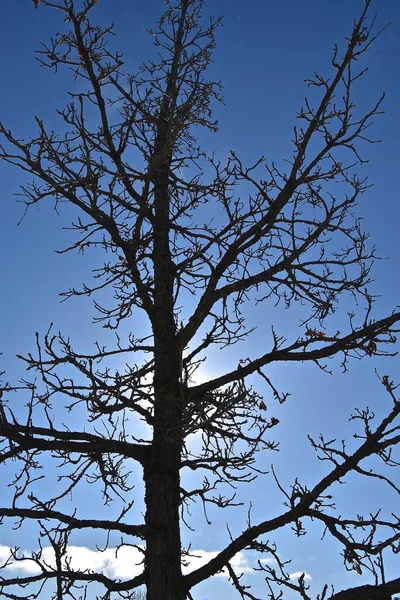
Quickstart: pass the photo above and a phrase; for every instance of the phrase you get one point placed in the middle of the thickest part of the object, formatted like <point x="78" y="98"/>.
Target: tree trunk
<point x="163" y="550"/>
<point x="162" y="474"/>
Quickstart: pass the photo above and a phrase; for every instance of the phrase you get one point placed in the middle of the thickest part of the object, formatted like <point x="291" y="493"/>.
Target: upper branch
<point x="298" y="351"/>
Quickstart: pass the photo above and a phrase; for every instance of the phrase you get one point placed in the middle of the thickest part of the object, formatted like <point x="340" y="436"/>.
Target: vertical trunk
<point x="162" y="473"/>
<point x="163" y="549"/>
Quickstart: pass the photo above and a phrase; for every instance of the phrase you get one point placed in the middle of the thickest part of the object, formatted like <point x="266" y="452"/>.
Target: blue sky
<point x="264" y="52"/>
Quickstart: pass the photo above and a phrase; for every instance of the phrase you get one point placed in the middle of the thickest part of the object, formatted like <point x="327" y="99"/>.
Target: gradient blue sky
<point x="264" y="51"/>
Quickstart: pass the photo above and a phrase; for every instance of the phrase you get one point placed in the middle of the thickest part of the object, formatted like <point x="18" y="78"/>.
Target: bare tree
<point x="128" y="160"/>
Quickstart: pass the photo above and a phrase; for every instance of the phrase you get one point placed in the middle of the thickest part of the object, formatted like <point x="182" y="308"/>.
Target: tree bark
<point x="163" y="550"/>
<point x="162" y="474"/>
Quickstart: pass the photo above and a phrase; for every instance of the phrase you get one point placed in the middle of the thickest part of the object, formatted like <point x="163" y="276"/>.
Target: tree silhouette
<point x="128" y="159"/>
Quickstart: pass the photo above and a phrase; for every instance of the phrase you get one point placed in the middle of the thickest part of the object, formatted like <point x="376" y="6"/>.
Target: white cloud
<point x="199" y="558"/>
<point x="240" y="563"/>
<point x="4" y="553"/>
<point x="123" y="563"/>
<point x="297" y="574"/>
